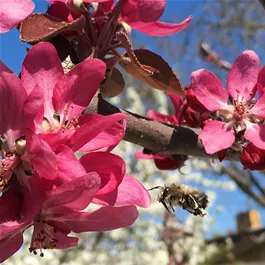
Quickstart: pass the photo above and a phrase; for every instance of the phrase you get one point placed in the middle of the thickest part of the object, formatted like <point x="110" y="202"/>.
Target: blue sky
<point x="12" y="53"/>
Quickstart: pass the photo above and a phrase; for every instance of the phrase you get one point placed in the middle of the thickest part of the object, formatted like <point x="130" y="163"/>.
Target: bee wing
<point x="201" y="198"/>
<point x="192" y="202"/>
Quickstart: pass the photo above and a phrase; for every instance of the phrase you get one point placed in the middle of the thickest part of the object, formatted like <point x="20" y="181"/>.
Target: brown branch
<point x="211" y="56"/>
<point x="155" y="136"/>
<point x="262" y="3"/>
<point x="256" y="183"/>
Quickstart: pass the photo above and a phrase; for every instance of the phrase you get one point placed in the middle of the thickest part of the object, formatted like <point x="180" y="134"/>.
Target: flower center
<point x="9" y="160"/>
<point x="44" y="236"/>
<point x="8" y="163"/>
<point x="240" y="110"/>
<point x="59" y="122"/>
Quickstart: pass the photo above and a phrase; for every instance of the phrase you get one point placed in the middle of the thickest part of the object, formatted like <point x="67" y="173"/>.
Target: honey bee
<point x="190" y="199"/>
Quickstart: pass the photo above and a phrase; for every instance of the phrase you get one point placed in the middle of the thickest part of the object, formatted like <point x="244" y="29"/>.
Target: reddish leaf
<point x="41" y="27"/>
<point x="62" y="46"/>
<point x="154" y="71"/>
<point x="114" y="85"/>
<point x="84" y="49"/>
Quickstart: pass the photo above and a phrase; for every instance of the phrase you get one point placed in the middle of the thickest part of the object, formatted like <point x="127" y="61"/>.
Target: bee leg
<point x="165" y="205"/>
<point x="170" y="204"/>
<point x="157" y="187"/>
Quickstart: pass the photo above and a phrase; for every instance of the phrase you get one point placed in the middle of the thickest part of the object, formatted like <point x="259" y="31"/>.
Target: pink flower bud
<point x="172" y="162"/>
<point x="193" y="101"/>
<point x="253" y="158"/>
<point x="193" y="118"/>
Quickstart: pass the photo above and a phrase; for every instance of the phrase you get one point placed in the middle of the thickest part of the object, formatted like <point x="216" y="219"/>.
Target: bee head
<point x="164" y="191"/>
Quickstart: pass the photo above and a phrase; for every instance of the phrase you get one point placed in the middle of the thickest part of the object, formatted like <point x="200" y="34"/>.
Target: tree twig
<point x="155" y="136"/>
<point x="243" y="183"/>
<point x="262" y="3"/>
<point x="256" y="183"/>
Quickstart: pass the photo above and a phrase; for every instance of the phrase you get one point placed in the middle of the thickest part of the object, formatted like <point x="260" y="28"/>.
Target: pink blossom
<point x="59" y="9"/>
<point x="175" y="119"/>
<point x="66" y="96"/>
<point x="261" y="81"/>
<point x="253" y="158"/>
<point x="117" y="188"/>
<point x="142" y="15"/>
<point x="54" y="214"/>
<point x="193" y="118"/>
<point x="244" y="113"/>
<point x="12" y="12"/>
<point x="16" y="129"/>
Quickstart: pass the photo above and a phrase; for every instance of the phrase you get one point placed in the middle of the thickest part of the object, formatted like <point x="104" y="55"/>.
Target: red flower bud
<point x="171" y="162"/>
<point x="193" y="101"/>
<point x="193" y="118"/>
<point x="60" y="10"/>
<point x="253" y="158"/>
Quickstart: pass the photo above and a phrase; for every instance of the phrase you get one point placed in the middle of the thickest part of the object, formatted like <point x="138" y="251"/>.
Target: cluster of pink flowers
<point x="42" y="123"/>
<point x="42" y="182"/>
<point x="140" y="15"/>
<point x="231" y="119"/>
<point x="236" y="115"/>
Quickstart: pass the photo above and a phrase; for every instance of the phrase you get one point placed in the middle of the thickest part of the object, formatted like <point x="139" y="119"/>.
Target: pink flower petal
<point x="139" y="154"/>
<point x="104" y="219"/>
<point x="243" y="76"/>
<point x="9" y="229"/>
<point x="95" y="1"/>
<point x="106" y="6"/>
<point x="93" y="128"/>
<point x="130" y="191"/>
<point x="105" y="139"/>
<point x="209" y="90"/>
<point x="178" y="103"/>
<point x="12" y="12"/>
<point x="41" y="156"/>
<point x="160" y="28"/>
<point x="111" y="169"/>
<point x="76" y="194"/>
<point x="255" y="133"/>
<point x="216" y="136"/>
<point x="75" y="89"/>
<point x="10" y="245"/>
<point x="10" y="200"/>
<point x="261" y="81"/>
<point x="157" y="116"/>
<point x="252" y="157"/>
<point x="259" y="108"/>
<point x="42" y="67"/>
<point x="55" y="139"/>
<point x="32" y="106"/>
<point x="34" y="195"/>
<point x="60" y="10"/>
<point x="85" y="1"/>
<point x="65" y="241"/>
<point x="171" y="162"/>
<point x="66" y="161"/>
<point x="142" y="10"/>
<point x="13" y="96"/>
